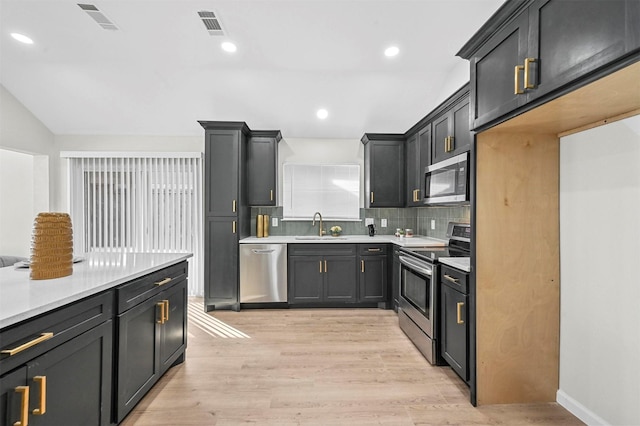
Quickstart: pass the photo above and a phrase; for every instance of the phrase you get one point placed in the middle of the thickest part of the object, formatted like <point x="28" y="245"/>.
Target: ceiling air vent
<point x="98" y="16"/>
<point x="211" y="23"/>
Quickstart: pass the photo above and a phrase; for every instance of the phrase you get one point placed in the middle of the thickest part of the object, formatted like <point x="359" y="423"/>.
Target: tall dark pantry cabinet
<point x="229" y="147"/>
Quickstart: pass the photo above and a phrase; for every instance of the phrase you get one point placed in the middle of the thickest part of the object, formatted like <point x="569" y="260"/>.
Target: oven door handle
<point x="416" y="266"/>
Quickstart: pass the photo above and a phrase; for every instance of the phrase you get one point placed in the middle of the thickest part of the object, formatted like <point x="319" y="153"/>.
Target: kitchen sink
<point x="317" y="237"/>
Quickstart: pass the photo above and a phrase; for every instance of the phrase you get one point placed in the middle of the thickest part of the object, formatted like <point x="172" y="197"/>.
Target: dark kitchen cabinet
<point x="262" y="166"/>
<point x="395" y="279"/>
<point x="384" y="170"/>
<point x="221" y="261"/>
<point x="224" y="149"/>
<point x="374" y="260"/>
<point x="451" y="135"/>
<point x="151" y="334"/>
<point x="545" y="46"/>
<point x="454" y="324"/>
<point x="417" y="157"/>
<point x="322" y="273"/>
<point x="67" y="371"/>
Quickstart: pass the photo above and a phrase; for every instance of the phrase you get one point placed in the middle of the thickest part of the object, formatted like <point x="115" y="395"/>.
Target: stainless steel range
<point x="419" y="293"/>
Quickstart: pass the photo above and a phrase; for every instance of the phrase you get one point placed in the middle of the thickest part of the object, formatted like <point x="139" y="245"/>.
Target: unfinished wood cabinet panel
<point x="517" y="267"/>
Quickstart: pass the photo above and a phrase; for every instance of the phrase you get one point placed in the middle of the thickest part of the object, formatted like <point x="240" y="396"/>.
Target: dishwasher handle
<point x="262" y="251"/>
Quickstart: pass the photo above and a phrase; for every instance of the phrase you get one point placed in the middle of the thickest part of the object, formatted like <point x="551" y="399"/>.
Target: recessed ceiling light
<point x="22" y="38"/>
<point x="391" y="51"/>
<point x="227" y="46"/>
<point x="322" y="113"/>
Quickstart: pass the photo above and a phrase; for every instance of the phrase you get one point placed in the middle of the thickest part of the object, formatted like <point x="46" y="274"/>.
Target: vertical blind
<point x="131" y="202"/>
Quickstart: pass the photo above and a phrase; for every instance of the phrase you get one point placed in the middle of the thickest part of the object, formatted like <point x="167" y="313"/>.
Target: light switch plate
<point x="274" y="222"/>
<point x="368" y="221"/>
<point x="383" y="223"/>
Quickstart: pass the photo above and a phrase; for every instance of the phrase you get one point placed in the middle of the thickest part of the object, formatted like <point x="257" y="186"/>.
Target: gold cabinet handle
<point x="459" y="306"/>
<point x="271" y="195"/>
<point x="161" y="305"/>
<point x="233" y="206"/>
<point x="24" y="406"/>
<point x="320" y="262"/>
<point x="371" y="198"/>
<point x="163" y="282"/>
<point x="325" y="266"/>
<point x="450" y="278"/>
<point x="166" y="311"/>
<point x="527" y="62"/>
<point x="374" y="249"/>
<point x="42" y="380"/>
<point x="233" y="227"/>
<point x="25" y="346"/>
<point x="516" y="80"/>
<point x="362" y="266"/>
<point x="451" y="143"/>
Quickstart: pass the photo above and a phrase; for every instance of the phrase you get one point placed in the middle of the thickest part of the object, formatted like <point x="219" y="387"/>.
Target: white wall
<point x="320" y="151"/>
<point x="600" y="273"/>
<point x="26" y="173"/>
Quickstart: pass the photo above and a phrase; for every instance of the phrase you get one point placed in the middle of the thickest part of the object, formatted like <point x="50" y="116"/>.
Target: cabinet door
<point x="412" y="168"/>
<point x="454" y="329"/>
<point x="373" y="279"/>
<point x="340" y="279"/>
<point x="173" y="336"/>
<point x="461" y="141"/>
<point x="222" y="156"/>
<point x="78" y="380"/>
<point x="262" y="171"/>
<point x="305" y="279"/>
<point x="395" y="279"/>
<point x="568" y="39"/>
<point x="11" y="396"/>
<point x="441" y="132"/>
<point x="386" y="174"/>
<point x="138" y="358"/>
<point x="492" y="72"/>
<point x="221" y="266"/>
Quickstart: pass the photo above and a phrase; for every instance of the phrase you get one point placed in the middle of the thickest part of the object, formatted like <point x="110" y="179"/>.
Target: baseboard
<point x="579" y="410"/>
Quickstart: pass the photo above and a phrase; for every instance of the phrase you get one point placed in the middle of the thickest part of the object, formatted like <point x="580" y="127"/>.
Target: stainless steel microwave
<point x="447" y="182"/>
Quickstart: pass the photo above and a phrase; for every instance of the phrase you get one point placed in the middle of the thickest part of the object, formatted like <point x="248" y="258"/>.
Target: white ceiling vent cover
<point x="211" y="23"/>
<point x="98" y="16"/>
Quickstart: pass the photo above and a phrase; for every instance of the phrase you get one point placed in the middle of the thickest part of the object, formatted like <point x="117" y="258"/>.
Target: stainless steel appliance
<point x="263" y="273"/>
<point x="447" y="182"/>
<point x="419" y="293"/>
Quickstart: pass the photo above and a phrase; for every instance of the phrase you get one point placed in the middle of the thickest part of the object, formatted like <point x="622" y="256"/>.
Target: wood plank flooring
<point x="318" y="367"/>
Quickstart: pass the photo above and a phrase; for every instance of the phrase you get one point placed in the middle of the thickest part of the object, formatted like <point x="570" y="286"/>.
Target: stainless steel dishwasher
<point x="263" y="273"/>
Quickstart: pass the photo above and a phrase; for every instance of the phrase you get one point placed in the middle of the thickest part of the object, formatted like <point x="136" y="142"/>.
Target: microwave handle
<point x="416" y="266"/>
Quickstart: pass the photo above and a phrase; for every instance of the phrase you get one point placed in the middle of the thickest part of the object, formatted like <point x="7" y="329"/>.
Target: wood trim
<point x="517" y="267"/>
<point x="600" y="123"/>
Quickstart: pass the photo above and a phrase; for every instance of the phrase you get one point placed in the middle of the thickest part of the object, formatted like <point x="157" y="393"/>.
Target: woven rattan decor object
<point x="51" y="246"/>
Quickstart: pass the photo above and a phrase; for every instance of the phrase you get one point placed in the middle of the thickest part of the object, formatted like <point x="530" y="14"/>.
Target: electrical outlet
<point x="368" y="221"/>
<point x="274" y="222"/>
<point x="383" y="223"/>
<point x="433" y="224"/>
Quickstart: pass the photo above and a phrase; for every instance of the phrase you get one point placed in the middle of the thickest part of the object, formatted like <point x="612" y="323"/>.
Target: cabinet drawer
<point x="372" y="249"/>
<point x="65" y="323"/>
<point x="321" y="249"/>
<point x="455" y="279"/>
<point x="141" y="289"/>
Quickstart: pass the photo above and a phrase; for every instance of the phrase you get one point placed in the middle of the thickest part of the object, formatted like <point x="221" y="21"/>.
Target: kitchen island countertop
<point x="415" y="241"/>
<point x="22" y="298"/>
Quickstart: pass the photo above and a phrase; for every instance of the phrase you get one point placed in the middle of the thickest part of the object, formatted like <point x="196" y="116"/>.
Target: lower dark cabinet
<point x="68" y="385"/>
<point x="454" y="324"/>
<point x="151" y="337"/>
<point x="221" y="262"/>
<point x="317" y="279"/>
<point x="373" y="279"/>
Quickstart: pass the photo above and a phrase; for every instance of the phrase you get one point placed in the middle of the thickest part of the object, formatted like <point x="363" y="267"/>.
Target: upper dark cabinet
<point x="384" y="179"/>
<point x="262" y="166"/>
<point x="451" y="135"/>
<point x="417" y="157"/>
<point x="532" y="49"/>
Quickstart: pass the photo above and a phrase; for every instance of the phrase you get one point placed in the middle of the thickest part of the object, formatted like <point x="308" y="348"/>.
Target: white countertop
<point x="415" y="241"/>
<point x="22" y="298"/>
<point x="462" y="263"/>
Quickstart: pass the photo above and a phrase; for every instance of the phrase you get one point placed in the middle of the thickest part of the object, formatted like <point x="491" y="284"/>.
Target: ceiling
<point x="161" y="71"/>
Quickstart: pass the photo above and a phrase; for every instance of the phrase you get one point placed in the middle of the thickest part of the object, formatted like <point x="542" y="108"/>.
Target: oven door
<point x="417" y="293"/>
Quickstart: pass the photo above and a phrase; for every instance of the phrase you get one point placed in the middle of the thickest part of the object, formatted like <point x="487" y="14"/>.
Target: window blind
<point x="150" y="203"/>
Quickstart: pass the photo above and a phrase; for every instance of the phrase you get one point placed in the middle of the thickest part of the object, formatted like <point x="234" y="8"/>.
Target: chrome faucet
<point x="320" y="231"/>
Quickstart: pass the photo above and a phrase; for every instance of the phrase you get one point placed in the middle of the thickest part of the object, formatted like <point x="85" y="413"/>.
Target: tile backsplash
<point x="418" y="218"/>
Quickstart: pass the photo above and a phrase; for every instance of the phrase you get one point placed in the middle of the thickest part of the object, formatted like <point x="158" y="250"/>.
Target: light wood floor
<point x="318" y="367"/>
